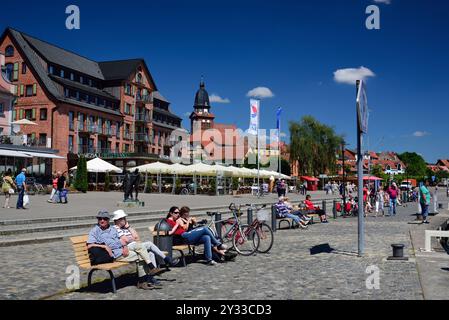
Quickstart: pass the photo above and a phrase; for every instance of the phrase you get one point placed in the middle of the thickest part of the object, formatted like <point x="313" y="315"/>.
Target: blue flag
<point x="278" y="118"/>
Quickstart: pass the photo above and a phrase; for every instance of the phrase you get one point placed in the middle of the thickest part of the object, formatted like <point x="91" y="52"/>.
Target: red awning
<point x="307" y="178"/>
<point x="372" y="178"/>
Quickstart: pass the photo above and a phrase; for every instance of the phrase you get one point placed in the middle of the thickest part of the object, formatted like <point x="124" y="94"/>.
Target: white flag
<point x="254" y="117"/>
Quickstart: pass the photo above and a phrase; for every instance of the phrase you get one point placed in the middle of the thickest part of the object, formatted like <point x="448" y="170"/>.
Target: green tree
<point x="314" y="145"/>
<point x="442" y="175"/>
<point x="285" y="167"/>
<point x="378" y="171"/>
<point x="415" y="164"/>
<point x="81" y="183"/>
<point x="235" y="183"/>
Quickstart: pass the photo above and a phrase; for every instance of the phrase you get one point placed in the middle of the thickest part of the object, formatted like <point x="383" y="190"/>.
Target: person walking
<point x="380" y="202"/>
<point x="55" y="187"/>
<point x="8" y="187"/>
<point x="425" y="201"/>
<point x="61" y="185"/>
<point x="393" y="193"/>
<point x="21" y="188"/>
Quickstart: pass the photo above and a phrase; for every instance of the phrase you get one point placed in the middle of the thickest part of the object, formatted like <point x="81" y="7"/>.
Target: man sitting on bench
<point x="284" y="211"/>
<point x="104" y="237"/>
<point x="312" y="209"/>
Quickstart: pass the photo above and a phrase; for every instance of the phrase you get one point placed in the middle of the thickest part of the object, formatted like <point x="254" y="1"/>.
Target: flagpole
<point x="279" y="147"/>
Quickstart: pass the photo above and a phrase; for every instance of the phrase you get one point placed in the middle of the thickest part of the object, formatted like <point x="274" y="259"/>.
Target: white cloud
<point x="383" y="1"/>
<point x="217" y="99"/>
<point x="350" y="75"/>
<point x="283" y="134"/>
<point x="420" y="133"/>
<point x="260" y="92"/>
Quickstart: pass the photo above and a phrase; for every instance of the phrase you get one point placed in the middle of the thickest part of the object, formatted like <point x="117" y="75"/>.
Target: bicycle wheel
<point x="226" y="236"/>
<point x="245" y="240"/>
<point x="266" y="237"/>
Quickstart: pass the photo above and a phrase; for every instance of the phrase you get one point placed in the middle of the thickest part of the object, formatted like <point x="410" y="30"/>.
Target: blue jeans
<point x="295" y="218"/>
<point x="425" y="211"/>
<point x="20" y="198"/>
<point x="202" y="235"/>
<point x="392" y="206"/>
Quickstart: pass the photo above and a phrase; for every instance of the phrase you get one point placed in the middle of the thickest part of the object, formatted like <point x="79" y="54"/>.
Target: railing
<point x="142" y="117"/>
<point x="20" y="141"/>
<point x="82" y="149"/>
<point x="141" y="137"/>
<point x="143" y="98"/>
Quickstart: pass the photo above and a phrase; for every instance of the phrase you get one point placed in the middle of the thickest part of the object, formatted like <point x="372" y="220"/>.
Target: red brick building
<point x="112" y="109"/>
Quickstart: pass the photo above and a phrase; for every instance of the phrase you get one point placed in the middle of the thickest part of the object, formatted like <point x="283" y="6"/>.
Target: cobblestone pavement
<point x="89" y="203"/>
<point x="295" y="269"/>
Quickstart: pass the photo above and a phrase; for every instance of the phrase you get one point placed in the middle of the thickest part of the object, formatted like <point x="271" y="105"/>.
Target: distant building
<point x="111" y="109"/>
<point x="204" y="132"/>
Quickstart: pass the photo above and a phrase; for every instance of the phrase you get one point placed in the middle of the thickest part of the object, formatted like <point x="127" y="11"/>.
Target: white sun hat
<point x="118" y="214"/>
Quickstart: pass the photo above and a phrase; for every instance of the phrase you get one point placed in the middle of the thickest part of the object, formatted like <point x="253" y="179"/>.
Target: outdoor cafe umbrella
<point x="98" y="165"/>
<point x="24" y="122"/>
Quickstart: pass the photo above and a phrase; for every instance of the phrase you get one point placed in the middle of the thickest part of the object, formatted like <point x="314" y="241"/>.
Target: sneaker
<point x="325" y="221"/>
<point x="426" y="222"/>
<point x="303" y="226"/>
<point x="211" y="263"/>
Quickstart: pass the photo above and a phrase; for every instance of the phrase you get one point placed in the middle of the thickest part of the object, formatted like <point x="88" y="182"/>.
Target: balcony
<point x="20" y="141"/>
<point x="141" y="137"/>
<point x="92" y="128"/>
<point x="85" y="149"/>
<point x="145" y="99"/>
<point x="142" y="117"/>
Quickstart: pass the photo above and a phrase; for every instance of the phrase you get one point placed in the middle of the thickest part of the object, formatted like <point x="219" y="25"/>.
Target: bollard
<point x="250" y="216"/>
<point x="273" y="218"/>
<point x="334" y="209"/>
<point x="218" y="224"/>
<point x="324" y="206"/>
<point x="440" y="206"/>
<point x="398" y="252"/>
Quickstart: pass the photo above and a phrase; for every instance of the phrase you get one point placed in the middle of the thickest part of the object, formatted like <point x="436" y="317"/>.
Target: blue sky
<point x="291" y="47"/>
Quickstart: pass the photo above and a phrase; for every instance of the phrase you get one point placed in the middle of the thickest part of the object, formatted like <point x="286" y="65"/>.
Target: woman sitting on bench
<point x="194" y="237"/>
<point x="312" y="209"/>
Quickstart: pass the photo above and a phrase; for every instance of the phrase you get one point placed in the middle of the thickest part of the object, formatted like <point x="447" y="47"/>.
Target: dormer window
<point x="9" y="51"/>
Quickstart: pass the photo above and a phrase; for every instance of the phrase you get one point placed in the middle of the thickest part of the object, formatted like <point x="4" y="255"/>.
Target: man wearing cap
<point x="103" y="235"/>
<point x="130" y="238"/>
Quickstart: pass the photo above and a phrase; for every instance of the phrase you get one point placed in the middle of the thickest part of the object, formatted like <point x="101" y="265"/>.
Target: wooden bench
<point x="82" y="258"/>
<point x="179" y="248"/>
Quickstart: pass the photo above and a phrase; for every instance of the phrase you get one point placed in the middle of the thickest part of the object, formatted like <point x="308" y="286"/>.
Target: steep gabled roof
<point x="64" y="57"/>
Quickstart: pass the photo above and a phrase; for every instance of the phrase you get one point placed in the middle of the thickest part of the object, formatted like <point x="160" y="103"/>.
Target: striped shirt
<point x="124" y="232"/>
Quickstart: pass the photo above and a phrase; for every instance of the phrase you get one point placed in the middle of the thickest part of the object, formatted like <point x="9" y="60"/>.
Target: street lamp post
<point x="343" y="173"/>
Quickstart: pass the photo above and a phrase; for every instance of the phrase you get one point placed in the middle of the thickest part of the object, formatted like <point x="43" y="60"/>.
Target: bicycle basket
<point x="263" y="215"/>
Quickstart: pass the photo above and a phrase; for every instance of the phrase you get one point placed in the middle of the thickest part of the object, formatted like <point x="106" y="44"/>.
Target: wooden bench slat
<point x="79" y="239"/>
<point x="83" y="261"/>
<point x="80" y="246"/>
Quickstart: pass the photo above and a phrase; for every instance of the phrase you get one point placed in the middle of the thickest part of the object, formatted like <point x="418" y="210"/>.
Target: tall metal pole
<point x="361" y="218"/>
<point x="344" y="177"/>
<point x="258" y="150"/>
<point x="279" y="148"/>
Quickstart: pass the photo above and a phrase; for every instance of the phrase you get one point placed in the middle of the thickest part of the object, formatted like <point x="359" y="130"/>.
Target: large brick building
<point x="112" y="109"/>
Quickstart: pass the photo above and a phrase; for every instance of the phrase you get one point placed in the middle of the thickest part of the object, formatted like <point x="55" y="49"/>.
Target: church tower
<point x="201" y="116"/>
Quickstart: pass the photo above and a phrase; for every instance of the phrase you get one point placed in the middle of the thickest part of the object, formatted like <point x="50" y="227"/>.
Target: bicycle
<point x="244" y="239"/>
<point x="263" y="230"/>
<point x="34" y="188"/>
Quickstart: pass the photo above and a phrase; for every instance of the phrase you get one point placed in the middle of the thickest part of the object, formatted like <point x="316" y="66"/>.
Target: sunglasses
<point x="106" y="219"/>
<point x="176" y="212"/>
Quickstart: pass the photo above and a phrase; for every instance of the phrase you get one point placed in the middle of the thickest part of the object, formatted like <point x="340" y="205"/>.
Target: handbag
<point x="11" y="191"/>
